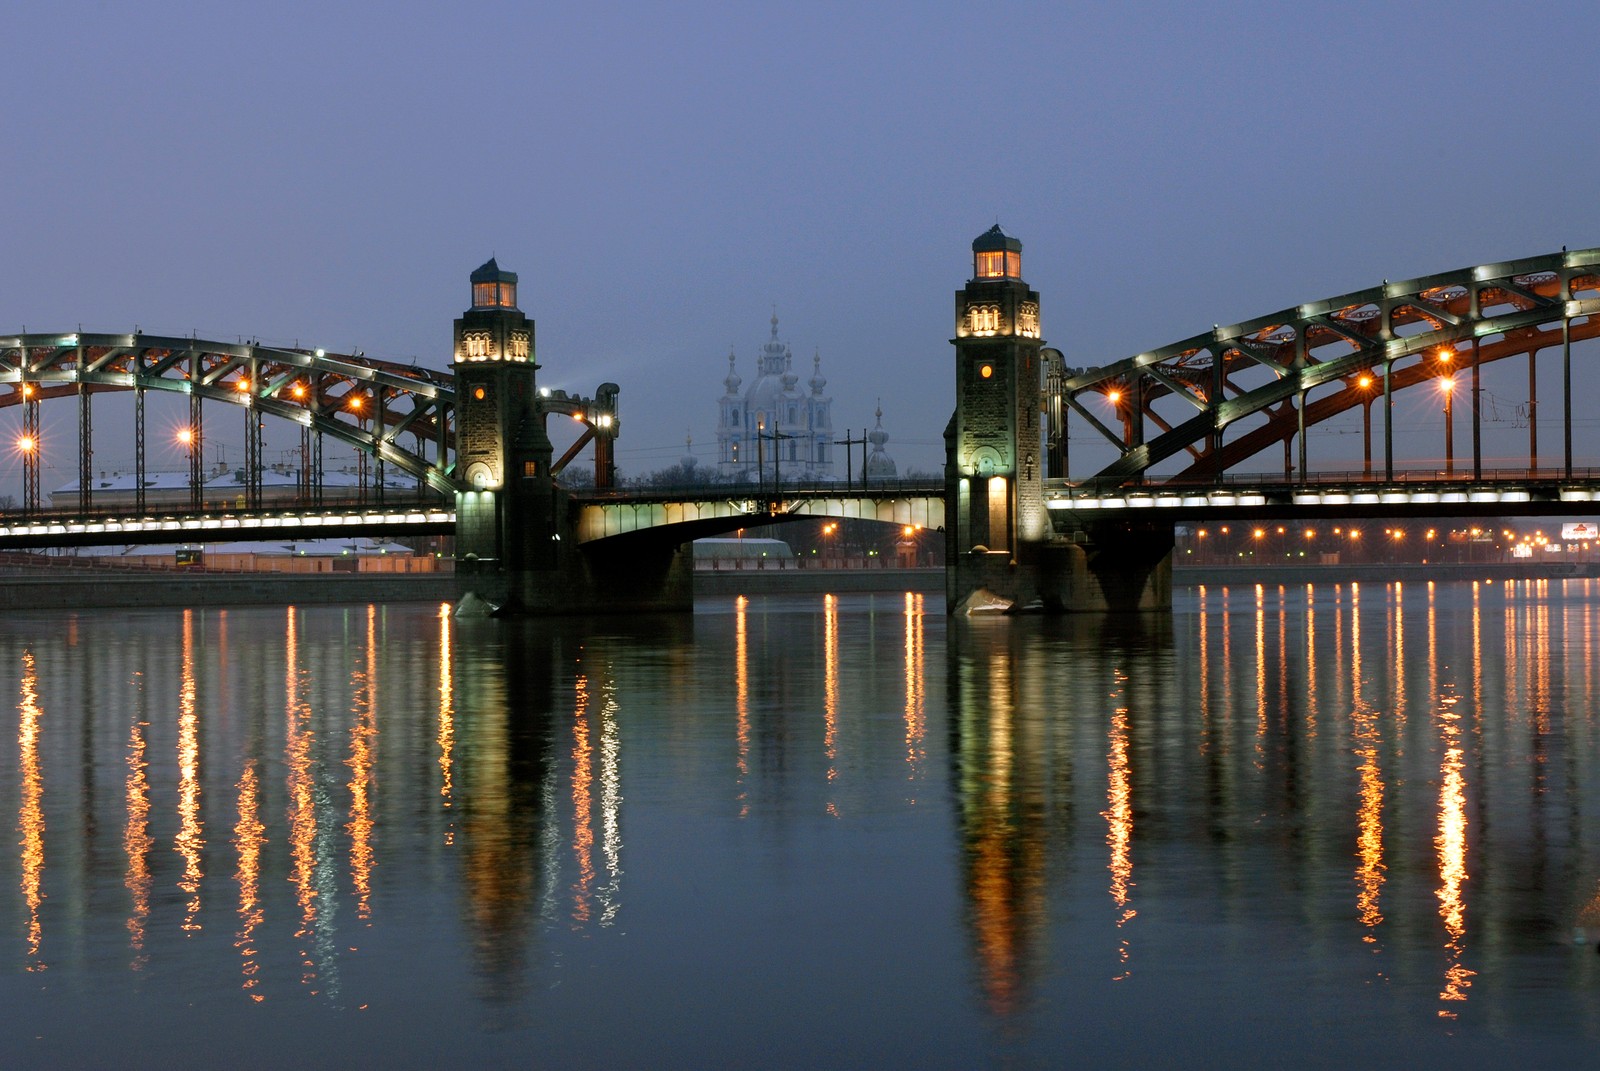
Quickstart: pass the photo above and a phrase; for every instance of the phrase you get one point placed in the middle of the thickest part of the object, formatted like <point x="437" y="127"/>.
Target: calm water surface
<point x="1318" y="826"/>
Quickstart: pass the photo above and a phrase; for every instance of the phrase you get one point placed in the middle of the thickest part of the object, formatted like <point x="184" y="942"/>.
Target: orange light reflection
<point x="582" y="776"/>
<point x="249" y="835"/>
<point x="830" y="692"/>
<point x="30" y="817"/>
<point x="1119" y="827"/>
<point x="1452" y="847"/>
<point x="299" y="741"/>
<point x="447" y="730"/>
<point x="916" y="698"/>
<point x="190" y="842"/>
<point x="362" y="737"/>
<point x="741" y="680"/>
<point x="136" y="839"/>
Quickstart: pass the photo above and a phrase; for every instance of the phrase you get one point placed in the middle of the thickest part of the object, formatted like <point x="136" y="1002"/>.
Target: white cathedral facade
<point x="774" y="430"/>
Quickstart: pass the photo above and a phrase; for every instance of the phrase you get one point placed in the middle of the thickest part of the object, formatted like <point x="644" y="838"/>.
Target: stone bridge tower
<point x="517" y="551"/>
<point x="505" y="523"/>
<point x="1004" y="550"/>
<point x="993" y="472"/>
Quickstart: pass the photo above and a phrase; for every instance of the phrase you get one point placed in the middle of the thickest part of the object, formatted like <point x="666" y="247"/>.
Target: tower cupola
<point x="493" y="288"/>
<point x="995" y="255"/>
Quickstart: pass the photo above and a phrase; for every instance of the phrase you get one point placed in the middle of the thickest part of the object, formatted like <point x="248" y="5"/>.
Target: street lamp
<point x="1114" y="396"/>
<point x="187" y="438"/>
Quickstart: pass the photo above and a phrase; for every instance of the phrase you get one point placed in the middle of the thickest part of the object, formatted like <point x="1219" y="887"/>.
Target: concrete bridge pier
<point x="545" y="571"/>
<point x="1108" y="567"/>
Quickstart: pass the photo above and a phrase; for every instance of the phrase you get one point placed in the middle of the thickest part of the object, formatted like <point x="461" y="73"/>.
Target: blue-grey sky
<point x="663" y="176"/>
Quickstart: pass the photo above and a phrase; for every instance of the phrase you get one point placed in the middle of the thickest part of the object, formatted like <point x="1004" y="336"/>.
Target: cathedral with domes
<point x="775" y="414"/>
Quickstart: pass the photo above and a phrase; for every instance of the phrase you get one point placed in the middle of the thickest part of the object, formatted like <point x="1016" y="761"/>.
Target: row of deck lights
<point x="184" y="436"/>
<point x="1392" y="538"/>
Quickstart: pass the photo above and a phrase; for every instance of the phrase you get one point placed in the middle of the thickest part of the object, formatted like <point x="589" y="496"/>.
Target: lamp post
<point x="1448" y="386"/>
<point x="189" y="441"/>
<point x="777" y="438"/>
<point x="355" y="405"/>
<point x="1365" y="385"/>
<point x="28" y="444"/>
<point x="28" y="447"/>
<point x="761" y="464"/>
<point x="186" y="439"/>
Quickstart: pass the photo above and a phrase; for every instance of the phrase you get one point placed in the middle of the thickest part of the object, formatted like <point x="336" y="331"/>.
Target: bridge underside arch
<point x="1215" y="400"/>
<point x="619" y="523"/>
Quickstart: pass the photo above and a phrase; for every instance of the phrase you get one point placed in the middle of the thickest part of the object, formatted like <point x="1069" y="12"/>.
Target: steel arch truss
<point x="1187" y="397"/>
<point x="400" y="415"/>
<point x="367" y="403"/>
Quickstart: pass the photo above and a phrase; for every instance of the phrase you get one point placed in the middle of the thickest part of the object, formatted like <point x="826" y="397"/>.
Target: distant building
<point x="880" y="466"/>
<point x="224" y="486"/>
<point x="773" y="424"/>
<point x="353" y="555"/>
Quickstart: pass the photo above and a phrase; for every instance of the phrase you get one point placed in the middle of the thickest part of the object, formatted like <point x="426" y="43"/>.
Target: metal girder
<point x="1135" y="461"/>
<point x="1328" y="323"/>
<point x="1511" y="287"/>
<point x="1094" y="422"/>
<point x="407" y="399"/>
<point x="1268" y="361"/>
<point x="1182" y="390"/>
<point x="1542" y="285"/>
<point x="216" y="371"/>
<point x="572" y="451"/>
<point x="1428" y="308"/>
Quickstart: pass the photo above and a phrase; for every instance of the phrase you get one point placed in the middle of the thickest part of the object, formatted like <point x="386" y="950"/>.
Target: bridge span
<point x="468" y="451"/>
<point x="596" y="516"/>
<point x="1494" y="493"/>
<point x="692" y="513"/>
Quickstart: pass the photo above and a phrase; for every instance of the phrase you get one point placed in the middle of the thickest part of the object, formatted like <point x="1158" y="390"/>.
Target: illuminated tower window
<point x="493" y="288"/>
<point x="996" y="255"/>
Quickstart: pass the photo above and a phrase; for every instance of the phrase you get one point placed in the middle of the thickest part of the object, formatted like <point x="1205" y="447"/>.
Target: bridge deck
<point x="1429" y="493"/>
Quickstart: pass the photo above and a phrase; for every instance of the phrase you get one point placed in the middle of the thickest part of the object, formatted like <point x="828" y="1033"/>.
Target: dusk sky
<point x="662" y="177"/>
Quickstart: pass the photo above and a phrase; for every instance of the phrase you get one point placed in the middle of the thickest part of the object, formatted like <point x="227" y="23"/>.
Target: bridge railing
<point x="721" y="492"/>
<point x="230" y="507"/>
<point x="1411" y="478"/>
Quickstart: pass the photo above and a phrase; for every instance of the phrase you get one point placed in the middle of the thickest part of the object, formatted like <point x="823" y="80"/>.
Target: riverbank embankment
<point x="46" y="590"/>
<point x="51" y="590"/>
<point x="74" y="591"/>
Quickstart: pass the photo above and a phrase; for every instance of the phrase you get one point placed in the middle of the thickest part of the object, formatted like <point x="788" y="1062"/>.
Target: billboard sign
<point x="1579" y="530"/>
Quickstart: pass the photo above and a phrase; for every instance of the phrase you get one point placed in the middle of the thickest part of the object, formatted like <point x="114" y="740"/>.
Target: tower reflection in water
<point x="534" y="731"/>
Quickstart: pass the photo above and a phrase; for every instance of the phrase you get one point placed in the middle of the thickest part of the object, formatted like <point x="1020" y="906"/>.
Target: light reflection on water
<point x="1356" y="808"/>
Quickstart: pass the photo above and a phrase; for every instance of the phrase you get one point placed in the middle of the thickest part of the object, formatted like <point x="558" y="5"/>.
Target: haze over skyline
<point x="663" y="178"/>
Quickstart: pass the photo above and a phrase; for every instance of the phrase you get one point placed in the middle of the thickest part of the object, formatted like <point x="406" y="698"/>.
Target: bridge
<point x="467" y="451"/>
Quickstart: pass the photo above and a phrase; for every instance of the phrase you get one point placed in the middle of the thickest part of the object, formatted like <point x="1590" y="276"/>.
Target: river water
<point x="1305" y="826"/>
